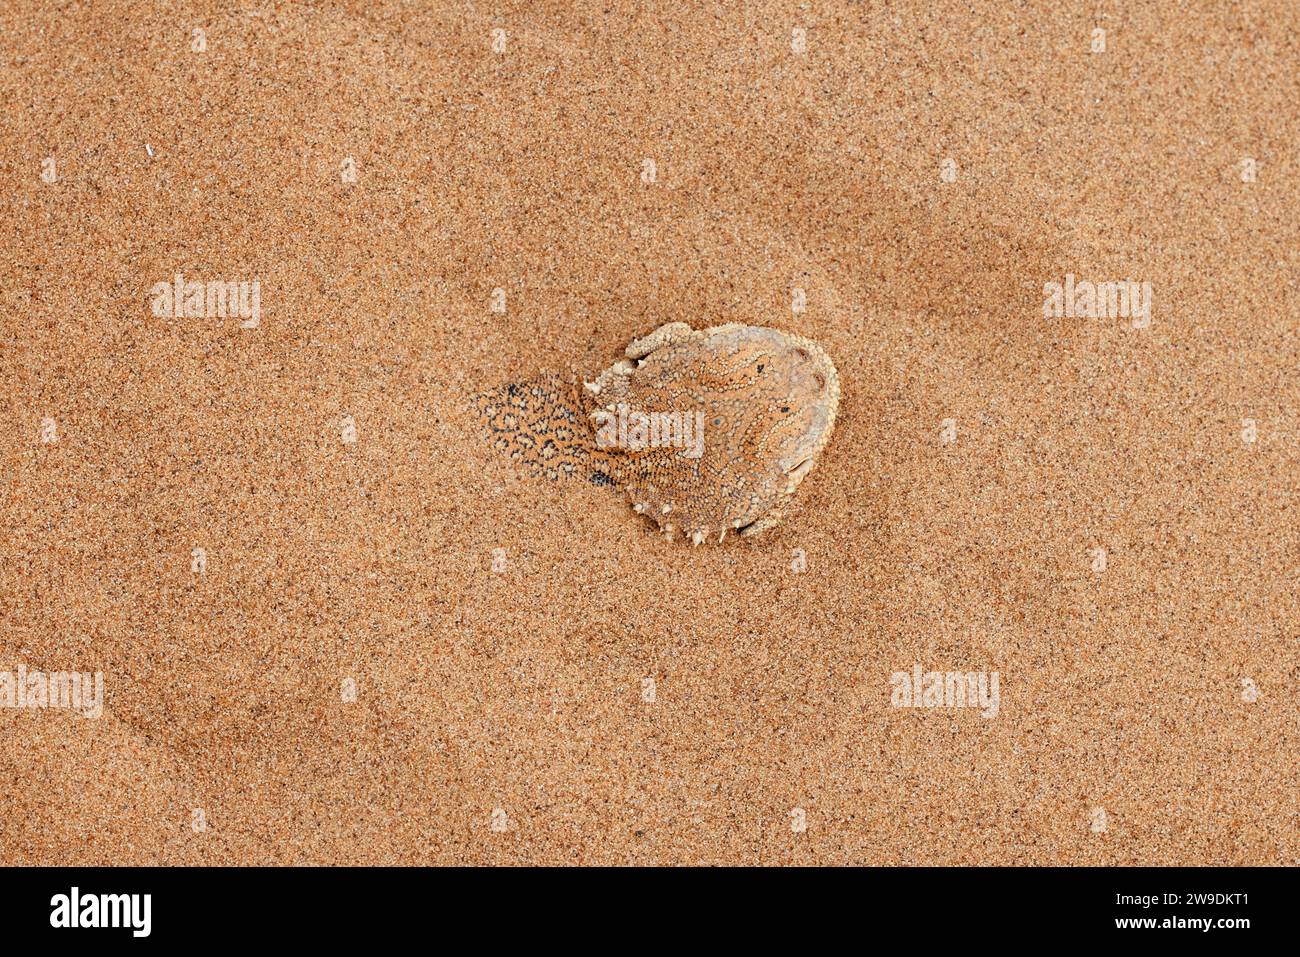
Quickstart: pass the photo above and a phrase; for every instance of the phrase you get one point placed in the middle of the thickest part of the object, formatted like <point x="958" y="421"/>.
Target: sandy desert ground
<point x="334" y="627"/>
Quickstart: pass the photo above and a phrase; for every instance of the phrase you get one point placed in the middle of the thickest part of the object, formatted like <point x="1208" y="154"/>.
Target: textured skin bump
<point x="767" y="402"/>
<point x="540" y="426"/>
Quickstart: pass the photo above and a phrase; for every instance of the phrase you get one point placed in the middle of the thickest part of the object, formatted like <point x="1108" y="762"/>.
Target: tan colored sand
<point x="523" y="689"/>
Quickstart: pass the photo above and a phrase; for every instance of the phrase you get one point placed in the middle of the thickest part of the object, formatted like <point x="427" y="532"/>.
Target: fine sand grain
<point x="1101" y="510"/>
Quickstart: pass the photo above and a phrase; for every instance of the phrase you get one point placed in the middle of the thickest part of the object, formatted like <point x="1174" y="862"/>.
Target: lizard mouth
<point x="797" y="473"/>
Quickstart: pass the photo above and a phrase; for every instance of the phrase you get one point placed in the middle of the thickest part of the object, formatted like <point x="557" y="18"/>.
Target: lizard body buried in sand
<point x="706" y="431"/>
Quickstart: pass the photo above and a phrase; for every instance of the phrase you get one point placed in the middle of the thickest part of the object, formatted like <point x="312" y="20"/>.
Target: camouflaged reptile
<point x="706" y="431"/>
